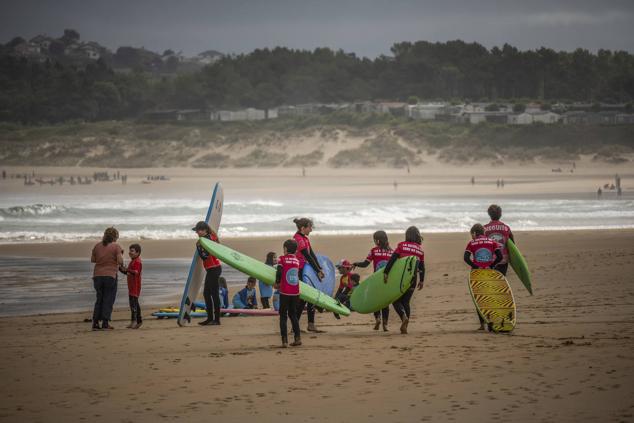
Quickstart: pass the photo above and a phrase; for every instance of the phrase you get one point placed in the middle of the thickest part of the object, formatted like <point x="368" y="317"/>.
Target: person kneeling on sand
<point x="486" y="253"/>
<point x="246" y="297"/>
<point x="287" y="284"/>
<point x="133" y="273"/>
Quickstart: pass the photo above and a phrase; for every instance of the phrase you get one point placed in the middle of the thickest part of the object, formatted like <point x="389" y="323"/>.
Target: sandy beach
<point x="569" y="359"/>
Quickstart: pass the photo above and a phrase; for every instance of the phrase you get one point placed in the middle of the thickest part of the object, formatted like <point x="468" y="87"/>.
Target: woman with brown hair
<point x="108" y="257"/>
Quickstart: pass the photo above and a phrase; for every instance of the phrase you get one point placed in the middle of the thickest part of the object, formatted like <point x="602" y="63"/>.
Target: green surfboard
<point x="518" y="263"/>
<point x="373" y="293"/>
<point x="266" y="274"/>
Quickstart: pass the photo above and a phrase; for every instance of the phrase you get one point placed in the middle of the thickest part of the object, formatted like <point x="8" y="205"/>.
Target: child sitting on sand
<point x="246" y="297"/>
<point x="287" y="284"/>
<point x="485" y="252"/>
<point x="133" y="272"/>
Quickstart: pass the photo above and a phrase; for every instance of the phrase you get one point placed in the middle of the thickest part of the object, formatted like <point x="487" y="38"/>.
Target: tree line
<point x="52" y="91"/>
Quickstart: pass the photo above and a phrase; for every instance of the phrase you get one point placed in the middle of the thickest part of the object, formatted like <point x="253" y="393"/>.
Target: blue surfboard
<point x="196" y="271"/>
<point x="327" y="284"/>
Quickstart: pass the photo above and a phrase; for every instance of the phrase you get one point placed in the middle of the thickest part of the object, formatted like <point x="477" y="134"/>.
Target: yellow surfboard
<point x="493" y="298"/>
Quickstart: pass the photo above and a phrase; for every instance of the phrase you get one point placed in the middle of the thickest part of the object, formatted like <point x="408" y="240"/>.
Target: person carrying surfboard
<point x="305" y="254"/>
<point x="379" y="255"/>
<point x="211" y="291"/>
<point x="287" y="284"/>
<point x="412" y="246"/>
<point x="499" y="232"/>
<point x="485" y="251"/>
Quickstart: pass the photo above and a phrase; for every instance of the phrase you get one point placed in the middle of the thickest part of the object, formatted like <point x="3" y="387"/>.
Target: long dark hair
<point x="302" y="222"/>
<point x="110" y="235"/>
<point x="269" y="258"/>
<point x="380" y="237"/>
<point x="412" y="234"/>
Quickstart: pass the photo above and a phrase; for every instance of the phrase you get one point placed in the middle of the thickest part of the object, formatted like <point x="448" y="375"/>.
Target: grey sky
<point x="367" y="28"/>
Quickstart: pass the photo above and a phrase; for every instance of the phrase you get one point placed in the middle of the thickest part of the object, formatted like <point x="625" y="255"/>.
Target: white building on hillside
<point x="545" y="117"/>
<point x="520" y="119"/>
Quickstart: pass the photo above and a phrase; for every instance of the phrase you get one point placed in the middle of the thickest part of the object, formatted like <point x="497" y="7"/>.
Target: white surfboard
<point x="196" y="270"/>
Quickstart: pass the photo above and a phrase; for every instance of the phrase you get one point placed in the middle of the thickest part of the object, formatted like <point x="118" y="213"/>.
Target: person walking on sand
<point x="486" y="253"/>
<point x="108" y="257"/>
<point x="305" y="254"/>
<point x="379" y="255"/>
<point x="499" y="232"/>
<point x="211" y="292"/>
<point x="412" y="246"/>
<point x="287" y="284"/>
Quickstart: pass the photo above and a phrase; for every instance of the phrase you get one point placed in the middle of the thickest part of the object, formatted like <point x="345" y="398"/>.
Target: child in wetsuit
<point x="482" y="253"/>
<point x="266" y="291"/>
<point x="379" y="255"/>
<point x="499" y="232"/>
<point x="412" y="246"/>
<point x="287" y="284"/>
<point x="211" y="291"/>
<point x="305" y="254"/>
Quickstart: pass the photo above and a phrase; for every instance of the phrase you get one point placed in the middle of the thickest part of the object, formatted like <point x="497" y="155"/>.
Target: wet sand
<point x="569" y="359"/>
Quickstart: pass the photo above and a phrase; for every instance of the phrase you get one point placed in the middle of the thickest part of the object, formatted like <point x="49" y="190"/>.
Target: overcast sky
<point x="367" y="28"/>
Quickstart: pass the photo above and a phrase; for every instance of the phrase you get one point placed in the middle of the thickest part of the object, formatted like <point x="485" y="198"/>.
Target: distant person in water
<point x="108" y="258"/>
<point x="133" y="273"/>
<point x="599" y="193"/>
<point x="482" y="253"/>
<point x="499" y="232"/>
<point x="379" y="255"/>
<point x="213" y="269"/>
<point x="305" y="254"/>
<point x="266" y="291"/>
<point x="246" y="297"/>
<point x="287" y="286"/>
<point x="412" y="246"/>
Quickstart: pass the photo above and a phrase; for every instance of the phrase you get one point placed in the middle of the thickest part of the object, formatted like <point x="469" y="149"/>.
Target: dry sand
<point x="570" y="358"/>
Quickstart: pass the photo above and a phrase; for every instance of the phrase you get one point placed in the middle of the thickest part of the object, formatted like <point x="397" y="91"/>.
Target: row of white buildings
<point x="465" y="113"/>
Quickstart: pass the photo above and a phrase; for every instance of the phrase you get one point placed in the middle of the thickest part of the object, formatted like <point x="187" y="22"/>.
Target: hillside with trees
<point x="58" y="90"/>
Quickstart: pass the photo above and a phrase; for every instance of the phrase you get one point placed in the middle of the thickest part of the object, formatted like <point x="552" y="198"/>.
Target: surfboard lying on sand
<point x="325" y="285"/>
<point x="172" y="312"/>
<point x="519" y="265"/>
<point x="266" y="274"/>
<point x="493" y="298"/>
<point x="373" y="293"/>
<point x="196" y="271"/>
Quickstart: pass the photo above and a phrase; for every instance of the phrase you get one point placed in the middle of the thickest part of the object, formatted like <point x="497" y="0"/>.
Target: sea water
<point x="35" y="285"/>
<point x="75" y="218"/>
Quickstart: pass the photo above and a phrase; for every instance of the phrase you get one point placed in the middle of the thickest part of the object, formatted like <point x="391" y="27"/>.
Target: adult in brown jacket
<point x="108" y="257"/>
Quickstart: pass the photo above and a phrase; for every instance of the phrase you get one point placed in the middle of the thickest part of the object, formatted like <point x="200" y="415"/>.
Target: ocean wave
<point x="32" y="210"/>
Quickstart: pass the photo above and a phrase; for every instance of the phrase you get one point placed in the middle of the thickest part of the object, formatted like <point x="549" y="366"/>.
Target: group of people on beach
<point x="487" y="249"/>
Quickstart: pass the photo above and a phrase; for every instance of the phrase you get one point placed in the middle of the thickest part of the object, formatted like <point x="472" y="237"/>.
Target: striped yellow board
<point x="493" y="299"/>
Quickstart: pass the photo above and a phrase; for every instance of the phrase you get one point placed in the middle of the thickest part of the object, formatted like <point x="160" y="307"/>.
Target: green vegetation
<point x="57" y="91"/>
<point x="388" y="141"/>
